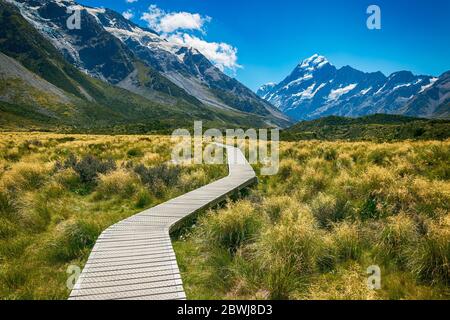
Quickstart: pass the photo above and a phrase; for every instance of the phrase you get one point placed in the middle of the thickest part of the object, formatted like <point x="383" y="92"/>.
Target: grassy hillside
<point x="333" y="210"/>
<point x="379" y="127"/>
<point x="93" y="105"/>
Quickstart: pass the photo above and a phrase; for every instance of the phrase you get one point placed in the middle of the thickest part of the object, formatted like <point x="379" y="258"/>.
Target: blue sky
<point x="269" y="38"/>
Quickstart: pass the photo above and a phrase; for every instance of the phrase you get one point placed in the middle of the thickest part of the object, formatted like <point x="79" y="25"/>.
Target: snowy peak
<point x="316" y="88"/>
<point x="314" y="62"/>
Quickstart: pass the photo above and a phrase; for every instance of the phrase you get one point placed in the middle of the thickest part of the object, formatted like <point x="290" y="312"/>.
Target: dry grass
<point x="333" y="210"/>
<point x="59" y="192"/>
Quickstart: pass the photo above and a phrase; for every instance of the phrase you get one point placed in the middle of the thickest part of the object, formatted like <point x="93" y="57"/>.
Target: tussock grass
<point x="287" y="252"/>
<point x="59" y="192"/>
<point x="232" y="228"/>
<point x="333" y="210"/>
<point x="119" y="183"/>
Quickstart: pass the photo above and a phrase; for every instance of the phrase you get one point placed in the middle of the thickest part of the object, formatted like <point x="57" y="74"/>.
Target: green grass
<point x="378" y="127"/>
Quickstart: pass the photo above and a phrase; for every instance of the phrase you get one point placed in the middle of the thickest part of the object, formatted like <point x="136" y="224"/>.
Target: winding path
<point x="134" y="258"/>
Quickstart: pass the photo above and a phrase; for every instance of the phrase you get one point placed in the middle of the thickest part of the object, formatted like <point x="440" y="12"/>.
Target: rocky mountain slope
<point x="40" y="89"/>
<point x="316" y="88"/>
<point x="111" y="48"/>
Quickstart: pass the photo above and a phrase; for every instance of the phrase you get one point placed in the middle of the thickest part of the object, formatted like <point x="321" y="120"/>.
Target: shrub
<point x="143" y="199"/>
<point x="120" y="182"/>
<point x="159" y="176"/>
<point x="232" y="227"/>
<point x="135" y="152"/>
<point x="88" y="168"/>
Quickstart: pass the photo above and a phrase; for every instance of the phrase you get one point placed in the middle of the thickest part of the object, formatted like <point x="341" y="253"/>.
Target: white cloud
<point x="131" y="1"/>
<point x="161" y="21"/>
<point x="178" y="27"/>
<point x="128" y="14"/>
<point x="223" y="55"/>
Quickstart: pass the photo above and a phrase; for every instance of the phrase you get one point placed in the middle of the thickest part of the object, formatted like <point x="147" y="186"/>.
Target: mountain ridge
<point x="316" y="88"/>
<point x="40" y="90"/>
<point x="110" y="47"/>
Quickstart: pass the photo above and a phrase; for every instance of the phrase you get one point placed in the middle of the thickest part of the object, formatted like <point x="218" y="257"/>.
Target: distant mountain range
<point x="111" y="72"/>
<point x="316" y="89"/>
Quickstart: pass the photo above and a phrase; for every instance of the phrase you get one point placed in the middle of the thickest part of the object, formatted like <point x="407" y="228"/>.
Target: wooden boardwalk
<point x="134" y="258"/>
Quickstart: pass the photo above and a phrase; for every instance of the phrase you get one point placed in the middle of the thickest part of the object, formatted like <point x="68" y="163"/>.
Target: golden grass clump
<point x="324" y="209"/>
<point x="25" y="176"/>
<point x="194" y="179"/>
<point x="347" y="284"/>
<point x="286" y="252"/>
<point x="122" y="183"/>
<point x="232" y="227"/>
<point x="429" y="258"/>
<point x="347" y="240"/>
<point x="398" y="235"/>
<point x="276" y="206"/>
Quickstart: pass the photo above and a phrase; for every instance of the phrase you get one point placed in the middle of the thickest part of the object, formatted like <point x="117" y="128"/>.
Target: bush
<point x="88" y="168"/>
<point x="232" y="227"/>
<point x="135" y="152"/>
<point x="159" y="176"/>
<point x="143" y="199"/>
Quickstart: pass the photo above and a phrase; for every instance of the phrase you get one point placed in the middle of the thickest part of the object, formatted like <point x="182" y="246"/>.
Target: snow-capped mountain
<point x="316" y="88"/>
<point x="114" y="49"/>
<point x="433" y="101"/>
